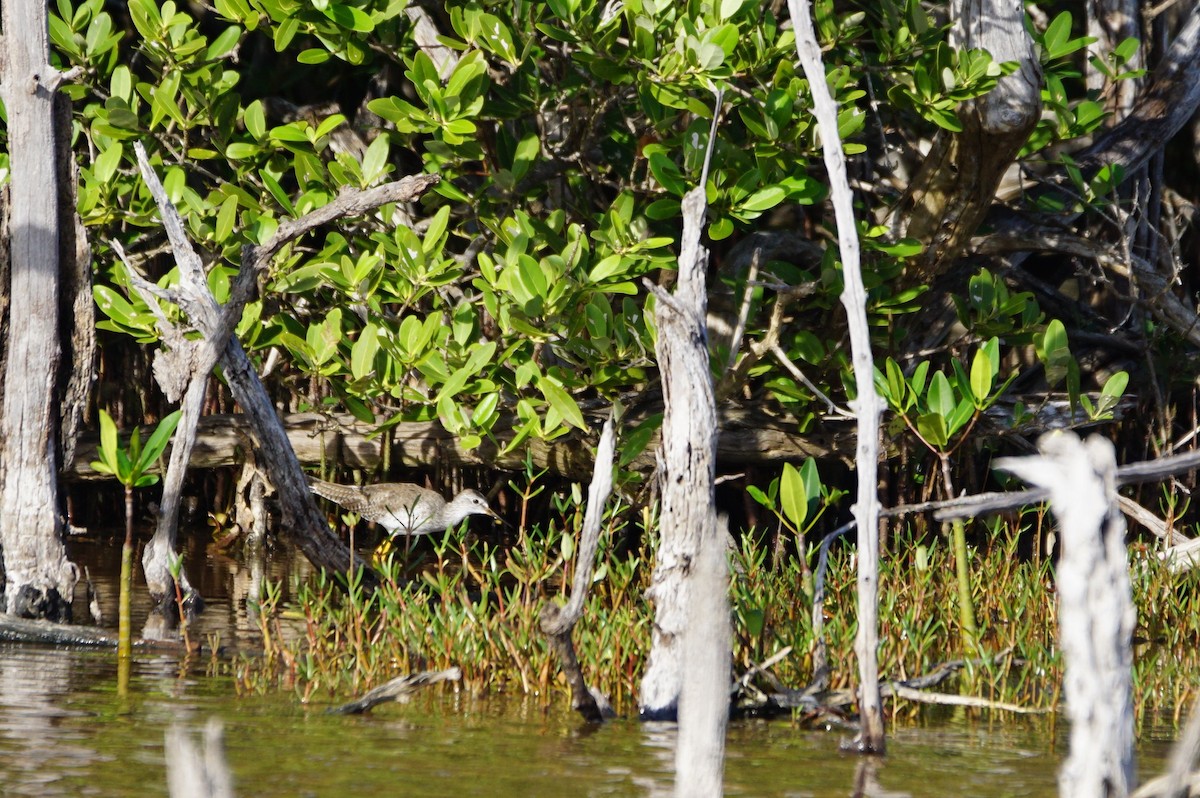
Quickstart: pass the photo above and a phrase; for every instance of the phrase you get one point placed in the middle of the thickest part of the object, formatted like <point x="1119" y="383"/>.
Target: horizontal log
<point x="747" y="438"/>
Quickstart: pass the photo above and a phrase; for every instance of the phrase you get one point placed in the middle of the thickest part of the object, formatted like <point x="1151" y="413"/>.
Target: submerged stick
<point x="557" y="623"/>
<point x="398" y="689"/>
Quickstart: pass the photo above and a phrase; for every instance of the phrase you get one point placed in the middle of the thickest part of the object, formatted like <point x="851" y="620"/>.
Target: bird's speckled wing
<point x="349" y="496"/>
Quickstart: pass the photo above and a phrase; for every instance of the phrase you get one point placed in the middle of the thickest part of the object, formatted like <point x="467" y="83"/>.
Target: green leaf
<point x="374" y="161"/>
<point x="940" y="399"/>
<point x="728" y="8"/>
<point x="1115" y="385"/>
<point x="242" y="150"/>
<point x="721" y="229"/>
<point x="285" y="32"/>
<point x="362" y="354"/>
<point x="792" y="497"/>
<point x="812" y="480"/>
<point x="108" y="443"/>
<point x="760" y="497"/>
<point x="981" y="376"/>
<point x="764" y="199"/>
<point x="932" y="427"/>
<point x="605" y="269"/>
<point x="226" y="218"/>
<point x="558" y="398"/>
<point x="348" y="17"/>
<point x="1054" y="352"/>
<point x="156" y="444"/>
<point x="314" y="55"/>
<point x="105" y="165"/>
<point x="255" y="119"/>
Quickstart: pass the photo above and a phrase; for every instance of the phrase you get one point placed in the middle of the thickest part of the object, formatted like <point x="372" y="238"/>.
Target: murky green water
<point x="65" y="732"/>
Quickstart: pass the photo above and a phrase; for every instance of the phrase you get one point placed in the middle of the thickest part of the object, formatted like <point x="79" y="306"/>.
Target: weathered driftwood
<point x="69" y="635"/>
<point x="557" y="623"/>
<point x="398" y="689"/>
<point x="38" y="577"/>
<point x="815" y="698"/>
<point x="868" y="406"/>
<point x="687" y="460"/>
<point x="1096" y="615"/>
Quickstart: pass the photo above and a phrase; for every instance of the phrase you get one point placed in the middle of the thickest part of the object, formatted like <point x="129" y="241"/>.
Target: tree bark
<point x="956" y="185"/>
<point x="39" y="580"/>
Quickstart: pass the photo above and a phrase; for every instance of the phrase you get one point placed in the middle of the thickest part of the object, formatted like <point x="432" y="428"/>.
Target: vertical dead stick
<point x="558" y="622"/>
<point x="868" y="406"/>
<point x="1096" y="615"/>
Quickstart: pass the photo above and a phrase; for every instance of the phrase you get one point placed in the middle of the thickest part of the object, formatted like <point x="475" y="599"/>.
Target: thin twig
<point x="795" y="371"/>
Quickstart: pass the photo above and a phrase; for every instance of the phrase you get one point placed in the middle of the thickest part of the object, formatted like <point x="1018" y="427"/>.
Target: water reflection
<point x="230" y="587"/>
<point x="64" y="731"/>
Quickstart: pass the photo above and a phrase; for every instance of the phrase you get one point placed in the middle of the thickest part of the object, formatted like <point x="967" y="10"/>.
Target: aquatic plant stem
<point x="966" y="605"/>
<point x="962" y="566"/>
<point x="124" y="624"/>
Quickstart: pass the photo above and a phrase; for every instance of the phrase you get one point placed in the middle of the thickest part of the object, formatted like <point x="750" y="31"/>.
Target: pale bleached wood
<point x="1096" y="617"/>
<point x="39" y="579"/>
<point x="689" y="433"/>
<point x="687" y="671"/>
<point x="556" y="622"/>
<point x="868" y="406"/>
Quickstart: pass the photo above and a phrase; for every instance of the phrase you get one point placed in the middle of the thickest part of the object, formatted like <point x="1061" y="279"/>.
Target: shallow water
<point x="64" y="731"/>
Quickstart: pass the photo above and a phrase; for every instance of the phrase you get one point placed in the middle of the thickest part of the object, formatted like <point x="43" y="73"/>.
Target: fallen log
<point x="747" y="437"/>
<point x="69" y="635"/>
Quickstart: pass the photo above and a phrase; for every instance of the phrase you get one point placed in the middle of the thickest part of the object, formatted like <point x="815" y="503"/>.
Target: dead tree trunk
<point x="1096" y="616"/>
<point x="688" y="670"/>
<point x="689" y="435"/>
<point x="39" y="580"/>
